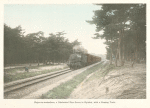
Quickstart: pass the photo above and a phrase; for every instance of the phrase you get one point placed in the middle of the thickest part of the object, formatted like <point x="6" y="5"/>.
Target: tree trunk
<point x="123" y="48"/>
<point x="38" y="62"/>
<point x="111" y="52"/>
<point x="110" y="59"/>
<point x="133" y="59"/>
<point x="116" y="58"/>
<point x="119" y="48"/>
<point x="136" y="52"/>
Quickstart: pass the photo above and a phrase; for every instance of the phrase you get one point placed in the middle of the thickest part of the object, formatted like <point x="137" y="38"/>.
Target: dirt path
<point x="123" y="83"/>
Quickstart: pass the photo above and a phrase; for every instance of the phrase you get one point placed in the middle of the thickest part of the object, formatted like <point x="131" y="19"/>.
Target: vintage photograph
<point x="74" y="51"/>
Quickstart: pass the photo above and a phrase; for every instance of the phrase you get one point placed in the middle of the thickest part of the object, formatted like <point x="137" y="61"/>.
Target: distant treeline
<point x="124" y="27"/>
<point x="34" y="47"/>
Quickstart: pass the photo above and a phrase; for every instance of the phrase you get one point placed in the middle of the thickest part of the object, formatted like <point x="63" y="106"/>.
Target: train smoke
<point x="79" y="48"/>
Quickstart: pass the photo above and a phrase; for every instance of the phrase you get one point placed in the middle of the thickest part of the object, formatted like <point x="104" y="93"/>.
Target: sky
<point x="53" y="18"/>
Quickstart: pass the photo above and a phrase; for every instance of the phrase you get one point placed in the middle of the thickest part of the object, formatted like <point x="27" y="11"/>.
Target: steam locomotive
<point x="78" y="60"/>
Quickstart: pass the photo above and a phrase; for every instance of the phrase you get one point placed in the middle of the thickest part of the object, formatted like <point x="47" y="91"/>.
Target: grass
<point x="15" y="70"/>
<point x="101" y="72"/>
<point x="12" y="75"/>
<point x="64" y="90"/>
<point x="30" y="67"/>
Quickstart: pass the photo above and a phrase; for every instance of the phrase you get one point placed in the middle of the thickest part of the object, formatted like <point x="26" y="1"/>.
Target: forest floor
<point x="120" y="83"/>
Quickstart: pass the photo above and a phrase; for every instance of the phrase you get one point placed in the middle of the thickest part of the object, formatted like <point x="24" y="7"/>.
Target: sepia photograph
<point x="75" y="53"/>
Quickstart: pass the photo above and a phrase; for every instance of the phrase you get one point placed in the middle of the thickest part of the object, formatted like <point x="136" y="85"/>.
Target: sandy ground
<point x="125" y="83"/>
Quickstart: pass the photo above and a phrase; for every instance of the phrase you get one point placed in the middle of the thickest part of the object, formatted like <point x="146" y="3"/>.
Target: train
<point x="78" y="60"/>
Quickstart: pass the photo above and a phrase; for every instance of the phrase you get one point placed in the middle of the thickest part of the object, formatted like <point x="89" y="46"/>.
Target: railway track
<point x="8" y="87"/>
<point x="20" y="84"/>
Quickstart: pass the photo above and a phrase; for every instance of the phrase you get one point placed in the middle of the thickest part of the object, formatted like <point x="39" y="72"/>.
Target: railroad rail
<point x="8" y="87"/>
<point x="15" y="85"/>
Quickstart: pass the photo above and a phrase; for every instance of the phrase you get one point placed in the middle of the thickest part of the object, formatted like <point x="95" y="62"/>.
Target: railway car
<point x="92" y="59"/>
<point x="78" y="60"/>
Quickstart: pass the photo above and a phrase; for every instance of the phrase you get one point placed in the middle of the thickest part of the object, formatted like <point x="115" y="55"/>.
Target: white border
<point x="26" y="103"/>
